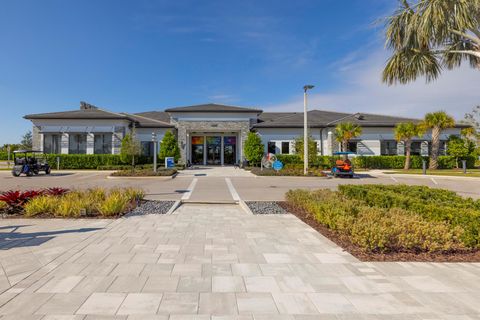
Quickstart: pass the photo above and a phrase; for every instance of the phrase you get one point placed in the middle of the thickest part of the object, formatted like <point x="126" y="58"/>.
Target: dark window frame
<point x="105" y="139"/>
<point x="285" y="147"/>
<point x="79" y="146"/>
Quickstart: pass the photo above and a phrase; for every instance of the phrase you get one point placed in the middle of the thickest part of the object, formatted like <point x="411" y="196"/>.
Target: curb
<point x="160" y="178"/>
<point x="245" y="207"/>
<point x="174" y="207"/>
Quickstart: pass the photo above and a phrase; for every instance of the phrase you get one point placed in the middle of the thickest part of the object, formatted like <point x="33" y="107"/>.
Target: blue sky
<point x="148" y="55"/>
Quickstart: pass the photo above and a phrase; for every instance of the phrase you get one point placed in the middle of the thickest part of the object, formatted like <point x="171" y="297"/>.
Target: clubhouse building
<point x="213" y="134"/>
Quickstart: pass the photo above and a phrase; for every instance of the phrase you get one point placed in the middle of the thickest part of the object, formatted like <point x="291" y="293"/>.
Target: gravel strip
<point x="265" y="207"/>
<point x="152" y="207"/>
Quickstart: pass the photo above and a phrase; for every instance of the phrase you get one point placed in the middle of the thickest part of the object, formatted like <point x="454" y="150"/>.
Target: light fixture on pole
<point x="154" y="140"/>
<point x="305" y="128"/>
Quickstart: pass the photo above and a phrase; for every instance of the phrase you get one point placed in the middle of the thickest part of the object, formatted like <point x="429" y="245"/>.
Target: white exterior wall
<point x="279" y="135"/>
<point x="369" y="142"/>
<point x="66" y="126"/>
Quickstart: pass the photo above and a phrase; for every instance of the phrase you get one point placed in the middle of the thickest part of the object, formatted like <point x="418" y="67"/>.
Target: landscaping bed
<point x="290" y="172"/>
<point x="393" y="223"/>
<point x="144" y="173"/>
<point x="152" y="207"/>
<point x="266" y="207"/>
<point x="64" y="203"/>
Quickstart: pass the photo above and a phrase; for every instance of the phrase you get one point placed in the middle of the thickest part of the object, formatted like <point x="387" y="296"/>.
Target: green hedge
<point x="4" y="156"/>
<point x="376" y="162"/>
<point x="90" y="161"/>
<point x="431" y="204"/>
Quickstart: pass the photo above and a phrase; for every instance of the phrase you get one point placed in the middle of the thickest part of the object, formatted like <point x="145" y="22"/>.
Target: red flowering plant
<point x="15" y="200"/>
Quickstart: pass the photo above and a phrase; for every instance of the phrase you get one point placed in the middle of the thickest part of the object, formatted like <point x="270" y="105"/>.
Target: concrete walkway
<point x="214" y="262"/>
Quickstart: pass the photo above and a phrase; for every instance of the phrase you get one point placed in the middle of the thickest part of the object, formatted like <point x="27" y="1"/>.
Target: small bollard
<point x="58" y="163"/>
<point x="464" y="166"/>
<point x="424" y="166"/>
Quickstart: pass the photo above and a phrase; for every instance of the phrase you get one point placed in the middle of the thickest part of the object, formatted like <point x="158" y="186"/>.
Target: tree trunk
<point x="408" y="150"/>
<point x="435" y="148"/>
<point x="344" y="148"/>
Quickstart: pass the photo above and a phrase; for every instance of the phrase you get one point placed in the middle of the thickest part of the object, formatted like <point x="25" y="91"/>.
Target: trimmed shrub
<point x="431" y="204"/>
<point x="398" y="162"/>
<point x="92" y="161"/>
<point x="376" y="229"/>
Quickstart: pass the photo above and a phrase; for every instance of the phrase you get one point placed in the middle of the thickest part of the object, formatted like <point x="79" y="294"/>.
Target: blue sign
<point x="277" y="165"/>
<point x="169" y="162"/>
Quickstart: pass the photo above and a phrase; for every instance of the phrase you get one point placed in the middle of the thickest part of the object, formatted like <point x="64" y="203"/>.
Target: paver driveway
<point x="214" y="262"/>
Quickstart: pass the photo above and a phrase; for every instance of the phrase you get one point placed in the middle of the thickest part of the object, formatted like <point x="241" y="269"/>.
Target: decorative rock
<point x="265" y="207"/>
<point x="152" y="207"/>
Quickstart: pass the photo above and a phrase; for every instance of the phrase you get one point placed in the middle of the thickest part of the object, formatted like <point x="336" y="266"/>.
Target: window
<point x="442" y="149"/>
<point x="103" y="143"/>
<point x="271" y="147"/>
<point x="352" y="146"/>
<point x="51" y="143"/>
<point x="285" y="147"/>
<point x="147" y="148"/>
<point x="77" y="143"/>
<point x="416" y="148"/>
<point x="388" y="148"/>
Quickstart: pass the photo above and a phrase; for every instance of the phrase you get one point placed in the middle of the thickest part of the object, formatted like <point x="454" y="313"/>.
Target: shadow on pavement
<point x="14" y="239"/>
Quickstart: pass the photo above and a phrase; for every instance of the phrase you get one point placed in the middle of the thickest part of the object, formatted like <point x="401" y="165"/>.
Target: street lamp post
<point x="305" y="129"/>
<point x="154" y="139"/>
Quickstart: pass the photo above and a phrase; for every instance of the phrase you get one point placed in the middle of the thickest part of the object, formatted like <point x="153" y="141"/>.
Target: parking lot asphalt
<point x="229" y="187"/>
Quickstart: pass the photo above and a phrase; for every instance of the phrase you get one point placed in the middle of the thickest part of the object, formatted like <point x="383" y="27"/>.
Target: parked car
<point x="29" y="162"/>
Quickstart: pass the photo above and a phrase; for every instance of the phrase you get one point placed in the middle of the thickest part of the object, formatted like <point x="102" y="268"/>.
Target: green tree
<point x="436" y="121"/>
<point x="405" y="132"/>
<point x="312" y="148"/>
<point x="169" y="147"/>
<point x="253" y="148"/>
<point x="427" y="36"/>
<point x="346" y="131"/>
<point x="130" y="148"/>
<point x="459" y="148"/>
<point x="27" y="140"/>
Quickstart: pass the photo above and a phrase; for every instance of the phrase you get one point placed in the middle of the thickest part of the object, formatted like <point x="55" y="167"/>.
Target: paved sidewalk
<point x="215" y="262"/>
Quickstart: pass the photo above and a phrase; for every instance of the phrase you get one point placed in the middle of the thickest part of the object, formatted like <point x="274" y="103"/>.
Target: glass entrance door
<point x="214" y="150"/>
<point x="229" y="150"/>
<point x="197" y="150"/>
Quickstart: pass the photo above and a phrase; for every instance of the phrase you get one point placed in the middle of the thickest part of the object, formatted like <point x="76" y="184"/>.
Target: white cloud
<point x="456" y="91"/>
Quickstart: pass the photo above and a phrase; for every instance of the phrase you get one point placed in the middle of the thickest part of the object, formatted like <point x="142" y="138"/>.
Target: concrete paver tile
<point x="102" y="304"/>
<point x="218" y="303"/>
<point x="140" y="303"/>
<point x="294" y="303"/>
<point x="161" y="284"/>
<point x="256" y="303"/>
<point x="179" y="303"/>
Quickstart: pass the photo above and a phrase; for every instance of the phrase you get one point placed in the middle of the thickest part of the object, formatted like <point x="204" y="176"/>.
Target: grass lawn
<point x="441" y="172"/>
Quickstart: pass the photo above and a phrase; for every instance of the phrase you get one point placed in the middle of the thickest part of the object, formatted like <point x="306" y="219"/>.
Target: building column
<point x="117" y="137"/>
<point x="424" y="148"/>
<point x="182" y="143"/>
<point x="90" y="143"/>
<point x="330" y="143"/>
<point x="37" y="138"/>
<point x="64" y="143"/>
<point x="400" y="148"/>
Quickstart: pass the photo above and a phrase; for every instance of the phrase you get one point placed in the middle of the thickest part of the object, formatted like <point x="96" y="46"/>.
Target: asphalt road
<point x="226" y="188"/>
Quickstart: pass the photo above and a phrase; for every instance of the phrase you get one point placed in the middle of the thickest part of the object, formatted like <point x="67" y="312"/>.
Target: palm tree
<point x="437" y="121"/>
<point x="346" y="131"/>
<point x="406" y="132"/>
<point x="427" y="36"/>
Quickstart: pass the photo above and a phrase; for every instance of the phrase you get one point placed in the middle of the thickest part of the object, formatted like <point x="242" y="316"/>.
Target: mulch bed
<point x="343" y="242"/>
